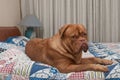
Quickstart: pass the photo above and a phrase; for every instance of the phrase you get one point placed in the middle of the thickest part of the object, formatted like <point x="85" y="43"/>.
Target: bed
<point x="15" y="65"/>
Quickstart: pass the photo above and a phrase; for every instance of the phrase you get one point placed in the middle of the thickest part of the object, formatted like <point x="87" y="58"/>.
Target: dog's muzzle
<point x="84" y="47"/>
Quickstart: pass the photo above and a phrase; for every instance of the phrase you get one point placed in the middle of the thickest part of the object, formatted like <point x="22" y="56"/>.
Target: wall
<point x="9" y="12"/>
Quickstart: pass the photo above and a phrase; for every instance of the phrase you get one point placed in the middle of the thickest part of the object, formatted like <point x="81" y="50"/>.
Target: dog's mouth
<point x="84" y="47"/>
<point x="81" y="47"/>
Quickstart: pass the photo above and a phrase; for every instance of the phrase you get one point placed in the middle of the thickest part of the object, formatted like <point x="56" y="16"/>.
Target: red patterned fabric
<point x="7" y="68"/>
<point x="77" y="76"/>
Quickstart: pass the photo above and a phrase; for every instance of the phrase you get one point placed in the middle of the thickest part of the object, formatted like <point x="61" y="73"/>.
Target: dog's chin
<point x="81" y="47"/>
<point x="84" y="47"/>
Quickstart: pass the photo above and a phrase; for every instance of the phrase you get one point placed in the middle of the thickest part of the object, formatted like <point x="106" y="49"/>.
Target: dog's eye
<point x="74" y="37"/>
<point x="84" y="34"/>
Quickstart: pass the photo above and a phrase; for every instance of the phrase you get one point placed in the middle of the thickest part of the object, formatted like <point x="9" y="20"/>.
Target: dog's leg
<point x="95" y="60"/>
<point x="67" y="66"/>
<point x="83" y="67"/>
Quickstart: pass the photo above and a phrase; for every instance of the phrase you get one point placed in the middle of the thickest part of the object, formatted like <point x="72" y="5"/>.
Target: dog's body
<point x="64" y="50"/>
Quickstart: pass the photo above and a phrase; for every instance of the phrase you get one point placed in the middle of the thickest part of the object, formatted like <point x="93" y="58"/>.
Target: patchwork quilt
<point x="109" y="51"/>
<point x="15" y="65"/>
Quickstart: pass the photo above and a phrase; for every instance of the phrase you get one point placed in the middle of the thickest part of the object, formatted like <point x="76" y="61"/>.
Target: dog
<point x="64" y="51"/>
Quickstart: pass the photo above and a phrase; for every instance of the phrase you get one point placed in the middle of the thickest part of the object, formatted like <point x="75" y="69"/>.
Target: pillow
<point x="18" y="40"/>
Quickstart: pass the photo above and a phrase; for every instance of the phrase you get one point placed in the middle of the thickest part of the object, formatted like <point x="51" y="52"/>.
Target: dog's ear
<point x="62" y="30"/>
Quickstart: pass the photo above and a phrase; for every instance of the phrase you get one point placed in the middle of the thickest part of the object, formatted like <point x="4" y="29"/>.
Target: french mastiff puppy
<point x="64" y="51"/>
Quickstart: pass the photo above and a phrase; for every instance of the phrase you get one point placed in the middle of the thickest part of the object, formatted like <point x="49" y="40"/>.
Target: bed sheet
<point x="15" y="65"/>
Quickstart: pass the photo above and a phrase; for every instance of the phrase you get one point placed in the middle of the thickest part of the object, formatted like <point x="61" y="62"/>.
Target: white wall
<point x="9" y="12"/>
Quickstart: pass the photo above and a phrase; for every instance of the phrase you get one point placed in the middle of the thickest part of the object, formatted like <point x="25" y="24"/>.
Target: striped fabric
<point x="92" y="75"/>
<point x="87" y="75"/>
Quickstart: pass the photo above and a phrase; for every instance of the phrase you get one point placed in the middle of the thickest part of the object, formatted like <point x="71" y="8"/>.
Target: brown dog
<point x="64" y="51"/>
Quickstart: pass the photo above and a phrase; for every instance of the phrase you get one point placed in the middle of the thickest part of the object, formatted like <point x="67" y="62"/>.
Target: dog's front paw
<point x="101" y="68"/>
<point x="106" y="62"/>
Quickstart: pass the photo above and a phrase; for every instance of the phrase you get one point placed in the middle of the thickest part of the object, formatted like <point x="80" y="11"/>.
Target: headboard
<point x="6" y="32"/>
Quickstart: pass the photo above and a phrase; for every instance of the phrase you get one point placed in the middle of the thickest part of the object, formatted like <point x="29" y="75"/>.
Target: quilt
<point x="109" y="51"/>
<point x="15" y="65"/>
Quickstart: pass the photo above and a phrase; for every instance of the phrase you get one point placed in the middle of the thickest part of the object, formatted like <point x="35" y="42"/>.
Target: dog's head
<point x="74" y="37"/>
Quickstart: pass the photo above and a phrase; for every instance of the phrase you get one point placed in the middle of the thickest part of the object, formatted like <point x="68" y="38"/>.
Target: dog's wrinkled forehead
<point x="67" y="29"/>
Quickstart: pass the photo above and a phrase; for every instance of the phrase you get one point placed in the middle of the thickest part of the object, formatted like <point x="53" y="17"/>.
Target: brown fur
<point x="64" y="50"/>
